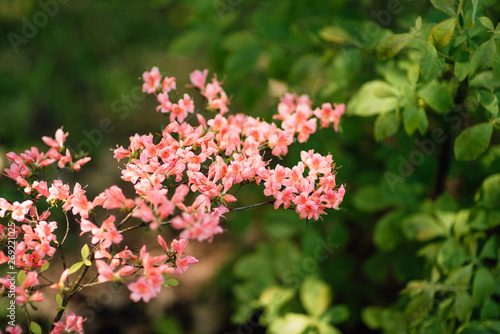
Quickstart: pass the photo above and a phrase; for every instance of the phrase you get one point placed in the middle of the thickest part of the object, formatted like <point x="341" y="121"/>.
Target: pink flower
<point x="308" y="206"/>
<point x="20" y="209"/>
<point x="151" y="80"/>
<point x="79" y="163"/>
<point x="329" y="115"/>
<point x="64" y="277"/>
<point x="116" y="200"/>
<point x="168" y="84"/>
<point x="31" y="280"/>
<point x="59" y="140"/>
<point x="141" y="289"/>
<point x="177" y="246"/>
<point x="120" y="153"/>
<point x="279" y="142"/>
<point x="18" y="172"/>
<point x="4" y="207"/>
<point x="41" y="187"/>
<point x="58" y="191"/>
<point x="72" y="324"/>
<point x="14" y="330"/>
<point x="78" y="202"/>
<point x="106" y="272"/>
<point x="37" y="296"/>
<point x="181" y="109"/>
<point x="165" y="104"/>
<point x="198" y="78"/>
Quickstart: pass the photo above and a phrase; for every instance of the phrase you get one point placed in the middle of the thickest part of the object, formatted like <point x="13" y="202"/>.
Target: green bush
<point x="417" y="246"/>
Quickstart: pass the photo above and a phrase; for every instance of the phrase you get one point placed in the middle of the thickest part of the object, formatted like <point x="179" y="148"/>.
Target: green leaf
<point x="442" y="33"/>
<point x="490" y="192"/>
<point x="373" y="98"/>
<point x="485" y="21"/>
<point x="336" y="314"/>
<point x="275" y="296"/>
<point x="164" y="324"/>
<point x="490" y="248"/>
<point x="436" y="96"/>
<point x="430" y="64"/>
<point x="473" y="141"/>
<point x="463" y="306"/>
<point x="418" y="23"/>
<point x="386" y="125"/>
<point x="315" y="296"/>
<point x="371" y="317"/>
<point x="424" y="122"/>
<point x="483" y="56"/>
<point x="325" y="328"/>
<point x="392" y="45"/>
<point x="243" y="60"/>
<point x="473" y="327"/>
<point x="35" y="328"/>
<point x="188" y="42"/>
<point x="386" y="234"/>
<point x="291" y="323"/>
<point x="461" y="226"/>
<point x="485" y="80"/>
<point x="462" y="67"/>
<point x="335" y="35"/>
<point x="496" y="68"/>
<point x="59" y="299"/>
<point x="451" y="255"/>
<point x="474" y="10"/>
<point x="411" y="119"/>
<point x="421" y="227"/>
<point x="420" y="306"/>
<point x="490" y="310"/>
<point x="44" y="267"/>
<point x="248" y="265"/>
<point x="483" y="286"/>
<point x="494" y="326"/>
<point x="238" y="40"/>
<point x="446" y="208"/>
<point x="172" y="282"/>
<point x="369" y="199"/>
<point x="21" y="276"/>
<point x="75" y="267"/>
<point x="489" y="102"/>
<point x="85" y="251"/>
<point x="446" y="6"/>
<point x="460" y="276"/>
<point x="87" y="262"/>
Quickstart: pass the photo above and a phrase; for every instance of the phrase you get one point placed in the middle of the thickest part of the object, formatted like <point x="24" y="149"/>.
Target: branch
<point x="251" y="206"/>
<point x="127" y="217"/>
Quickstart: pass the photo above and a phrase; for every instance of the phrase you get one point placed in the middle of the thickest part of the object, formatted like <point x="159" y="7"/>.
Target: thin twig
<point x="127" y="217"/>
<point x="142" y="224"/>
<point x="60" y="244"/>
<point x="27" y="318"/>
<point x="251" y="206"/>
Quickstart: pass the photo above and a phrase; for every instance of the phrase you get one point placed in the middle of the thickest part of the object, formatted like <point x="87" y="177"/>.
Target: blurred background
<point x="78" y="64"/>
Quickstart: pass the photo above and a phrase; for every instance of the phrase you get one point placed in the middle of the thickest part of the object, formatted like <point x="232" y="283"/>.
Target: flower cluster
<point x="184" y="177"/>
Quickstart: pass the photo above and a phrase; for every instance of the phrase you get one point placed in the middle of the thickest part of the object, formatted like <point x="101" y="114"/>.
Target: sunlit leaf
<point x="386" y="125"/>
<point x="315" y="296"/>
<point x="473" y="141"/>
<point x="442" y="33"/>
<point x="392" y="45"/>
<point x="373" y="98"/>
<point x="483" y="56"/>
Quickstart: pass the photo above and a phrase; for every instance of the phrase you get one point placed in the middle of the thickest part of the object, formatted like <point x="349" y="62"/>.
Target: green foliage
<point x="425" y="87"/>
<point x="415" y="248"/>
<point x="315" y="297"/>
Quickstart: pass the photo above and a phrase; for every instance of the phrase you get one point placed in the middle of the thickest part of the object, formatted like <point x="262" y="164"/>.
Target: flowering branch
<point x="185" y="179"/>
